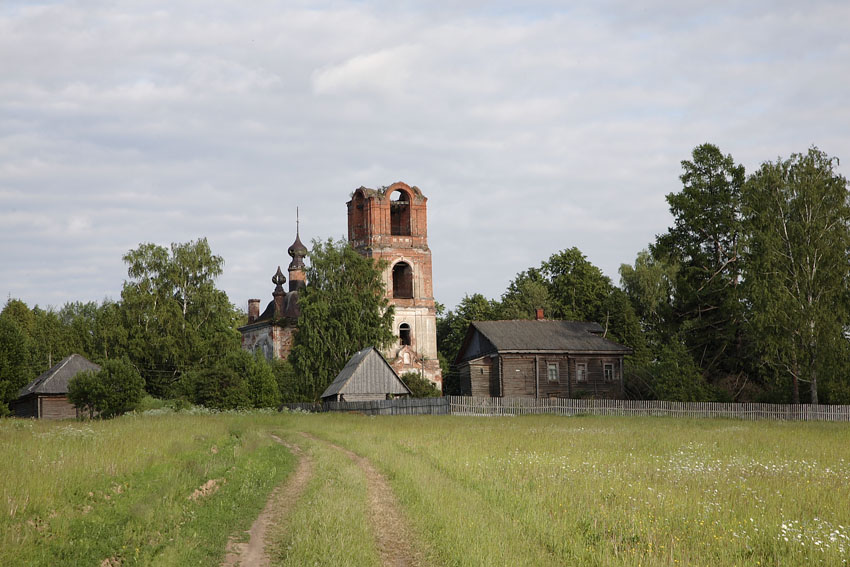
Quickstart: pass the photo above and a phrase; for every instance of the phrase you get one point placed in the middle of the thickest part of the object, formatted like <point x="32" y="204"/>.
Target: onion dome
<point x="278" y="279"/>
<point x="297" y="251"/>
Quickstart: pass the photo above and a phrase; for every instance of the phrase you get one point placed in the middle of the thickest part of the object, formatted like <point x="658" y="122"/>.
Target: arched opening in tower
<point x="404" y="334"/>
<point x="400" y="214"/>
<point x="402" y="281"/>
<point x="357" y="229"/>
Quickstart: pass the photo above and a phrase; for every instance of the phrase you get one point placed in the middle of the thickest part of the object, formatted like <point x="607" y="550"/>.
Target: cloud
<point x="530" y="128"/>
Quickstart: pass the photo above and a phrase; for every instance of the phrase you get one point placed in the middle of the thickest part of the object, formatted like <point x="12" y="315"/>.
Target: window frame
<point x="549" y="367"/>
<point x="606" y="366"/>
<point x="581" y="372"/>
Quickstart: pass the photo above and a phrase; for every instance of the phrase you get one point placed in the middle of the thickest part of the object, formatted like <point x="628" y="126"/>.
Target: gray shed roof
<point x="367" y="373"/>
<point x="545" y="335"/>
<point x="55" y="380"/>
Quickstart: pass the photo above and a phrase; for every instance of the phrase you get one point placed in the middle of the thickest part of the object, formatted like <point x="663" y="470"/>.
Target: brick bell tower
<point x="391" y="224"/>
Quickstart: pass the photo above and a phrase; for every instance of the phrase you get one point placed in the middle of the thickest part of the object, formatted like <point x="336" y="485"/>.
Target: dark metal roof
<point x="367" y="373"/>
<point x="55" y="380"/>
<point x="534" y="335"/>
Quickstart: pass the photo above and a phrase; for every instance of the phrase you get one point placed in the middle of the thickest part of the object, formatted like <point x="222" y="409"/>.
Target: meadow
<point x="171" y="489"/>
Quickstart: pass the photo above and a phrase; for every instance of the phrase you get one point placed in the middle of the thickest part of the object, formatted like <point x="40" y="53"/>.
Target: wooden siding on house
<point x="527" y="375"/>
<point x="43" y="406"/>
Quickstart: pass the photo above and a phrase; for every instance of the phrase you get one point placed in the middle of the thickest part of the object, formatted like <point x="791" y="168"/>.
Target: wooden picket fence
<point x="398" y="406"/>
<point x="491" y="407"/>
<point x="461" y="405"/>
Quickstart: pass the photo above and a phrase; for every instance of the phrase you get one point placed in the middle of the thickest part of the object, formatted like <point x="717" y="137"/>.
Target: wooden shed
<point x="46" y="397"/>
<point x="366" y="377"/>
<point x="540" y="359"/>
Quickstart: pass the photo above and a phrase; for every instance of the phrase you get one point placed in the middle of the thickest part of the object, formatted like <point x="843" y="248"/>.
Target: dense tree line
<point x="745" y="297"/>
<point x="174" y="334"/>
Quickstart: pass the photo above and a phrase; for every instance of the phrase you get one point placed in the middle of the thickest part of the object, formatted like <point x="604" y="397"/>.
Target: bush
<point x="420" y="387"/>
<point x="237" y="381"/>
<point x="116" y="389"/>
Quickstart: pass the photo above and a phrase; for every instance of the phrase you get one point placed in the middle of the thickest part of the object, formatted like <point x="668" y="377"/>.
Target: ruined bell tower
<point x="391" y="224"/>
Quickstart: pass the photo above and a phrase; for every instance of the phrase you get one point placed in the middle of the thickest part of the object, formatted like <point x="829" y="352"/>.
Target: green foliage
<point x="14" y="367"/>
<point x="527" y="293"/>
<point x="705" y="245"/>
<point x="284" y="375"/>
<point x="114" y="390"/>
<point x="798" y="236"/>
<point x="676" y="377"/>
<point x="86" y="392"/>
<point x="237" y="380"/>
<point x="177" y="319"/>
<point x="343" y="310"/>
<point x="650" y="286"/>
<point x="420" y="387"/>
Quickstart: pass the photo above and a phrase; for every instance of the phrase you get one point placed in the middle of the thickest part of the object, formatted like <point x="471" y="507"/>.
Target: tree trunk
<point x="814" y="385"/>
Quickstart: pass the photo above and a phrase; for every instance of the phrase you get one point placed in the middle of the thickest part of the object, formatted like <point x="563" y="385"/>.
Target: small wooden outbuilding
<point x="366" y="377"/>
<point x="46" y="397"/>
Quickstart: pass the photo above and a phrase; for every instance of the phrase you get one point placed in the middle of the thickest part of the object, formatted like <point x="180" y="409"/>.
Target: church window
<point x="404" y="334"/>
<point x="400" y="215"/>
<point x="402" y="281"/>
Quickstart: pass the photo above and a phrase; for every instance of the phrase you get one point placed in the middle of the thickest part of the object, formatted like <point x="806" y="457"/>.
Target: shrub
<point x="116" y="389"/>
<point x="420" y="387"/>
<point x="238" y="380"/>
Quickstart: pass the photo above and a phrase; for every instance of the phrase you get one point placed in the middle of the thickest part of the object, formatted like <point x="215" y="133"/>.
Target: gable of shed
<point x="367" y="372"/>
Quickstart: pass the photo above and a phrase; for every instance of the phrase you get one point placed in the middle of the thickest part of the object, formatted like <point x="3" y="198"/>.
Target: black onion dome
<point x="297" y="251"/>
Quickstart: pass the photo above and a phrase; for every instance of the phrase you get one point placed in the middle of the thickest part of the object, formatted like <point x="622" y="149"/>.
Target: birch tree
<point x="797" y="219"/>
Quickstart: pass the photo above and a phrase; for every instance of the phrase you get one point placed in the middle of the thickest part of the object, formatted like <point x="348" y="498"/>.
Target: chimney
<point x="253" y="310"/>
<point x="539" y="315"/>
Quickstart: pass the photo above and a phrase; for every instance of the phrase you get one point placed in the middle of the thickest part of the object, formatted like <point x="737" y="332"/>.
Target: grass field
<point x="537" y="490"/>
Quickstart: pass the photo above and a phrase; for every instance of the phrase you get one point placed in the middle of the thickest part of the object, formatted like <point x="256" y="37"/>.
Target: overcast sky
<point x="531" y="126"/>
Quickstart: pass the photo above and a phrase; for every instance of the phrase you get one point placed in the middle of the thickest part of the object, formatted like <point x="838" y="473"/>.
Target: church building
<point x="391" y="224"/>
<point x="385" y="224"/>
<point x="272" y="331"/>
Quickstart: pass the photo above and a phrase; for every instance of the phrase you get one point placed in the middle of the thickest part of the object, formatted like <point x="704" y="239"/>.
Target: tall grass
<point x="615" y="491"/>
<point x="124" y="491"/>
<point x="535" y="490"/>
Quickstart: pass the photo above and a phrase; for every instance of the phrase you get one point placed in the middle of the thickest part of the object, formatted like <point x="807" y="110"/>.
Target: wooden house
<point x="366" y="377"/>
<point x="46" y="397"/>
<point x="540" y="359"/>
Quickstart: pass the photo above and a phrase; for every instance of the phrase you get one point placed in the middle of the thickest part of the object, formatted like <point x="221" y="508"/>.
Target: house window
<point x="552" y="371"/>
<point x="581" y="372"/>
<point x="404" y="334"/>
<point x="609" y="372"/>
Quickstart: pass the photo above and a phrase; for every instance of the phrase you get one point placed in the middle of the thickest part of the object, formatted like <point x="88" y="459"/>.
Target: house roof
<point x="55" y="380"/>
<point x="367" y="372"/>
<point x="541" y="335"/>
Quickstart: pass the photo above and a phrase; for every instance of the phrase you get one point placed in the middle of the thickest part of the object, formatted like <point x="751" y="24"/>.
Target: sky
<point x="531" y="127"/>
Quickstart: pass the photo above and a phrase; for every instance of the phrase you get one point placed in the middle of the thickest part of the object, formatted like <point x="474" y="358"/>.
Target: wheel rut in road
<point x="393" y="536"/>
<point x="279" y="505"/>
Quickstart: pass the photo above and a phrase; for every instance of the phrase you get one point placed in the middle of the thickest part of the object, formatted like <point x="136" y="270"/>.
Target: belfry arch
<point x="400" y="213"/>
<point x="402" y="281"/>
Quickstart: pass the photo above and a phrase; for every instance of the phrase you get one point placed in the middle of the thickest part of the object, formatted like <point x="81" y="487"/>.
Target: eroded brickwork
<point x="392" y="224"/>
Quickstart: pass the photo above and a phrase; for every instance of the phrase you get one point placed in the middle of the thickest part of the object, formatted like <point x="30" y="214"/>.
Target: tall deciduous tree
<point x="798" y="222"/>
<point x="650" y="286"/>
<point x="177" y="319"/>
<point x="14" y="361"/>
<point x="343" y="310"/>
<point x="705" y="243"/>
